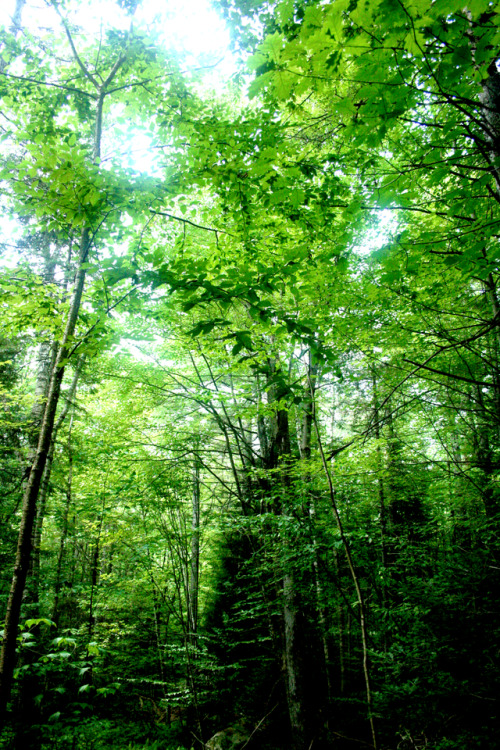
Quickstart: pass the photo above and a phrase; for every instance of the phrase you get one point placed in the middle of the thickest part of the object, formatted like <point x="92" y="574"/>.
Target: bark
<point x="484" y="459"/>
<point x="46" y="355"/>
<point x="305" y="454"/>
<point x="340" y="624"/>
<point x="45" y="359"/>
<point x="261" y="426"/>
<point x="93" y="584"/>
<point x="15" y="27"/>
<point x="294" y="665"/>
<point x="47" y="350"/>
<point x="24" y="546"/>
<point x="192" y="590"/>
<point x="380" y="478"/>
<point x="490" y="103"/>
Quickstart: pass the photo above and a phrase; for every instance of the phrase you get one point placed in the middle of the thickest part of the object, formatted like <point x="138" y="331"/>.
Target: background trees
<point x="262" y="505"/>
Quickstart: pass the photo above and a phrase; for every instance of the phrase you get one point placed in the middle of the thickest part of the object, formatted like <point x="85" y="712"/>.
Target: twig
<point x="48" y="83"/>
<point x="258" y="725"/>
<point x="448" y="374"/>
<point x="191" y="223"/>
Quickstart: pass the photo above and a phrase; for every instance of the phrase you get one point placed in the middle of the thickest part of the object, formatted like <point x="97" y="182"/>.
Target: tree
<point x="278" y="491"/>
<point x="92" y="206"/>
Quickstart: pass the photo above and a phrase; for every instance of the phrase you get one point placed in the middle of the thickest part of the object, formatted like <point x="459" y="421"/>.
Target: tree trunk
<point x="305" y="454"/>
<point x="293" y="625"/>
<point x="490" y="103"/>
<point x="30" y="498"/>
<point x="294" y="664"/>
<point x="194" y="561"/>
<point x="356" y="582"/>
<point x="34" y="583"/>
<point x="24" y="546"/>
<point x="94" y="580"/>
<point x="15" y="28"/>
<point x="64" y="531"/>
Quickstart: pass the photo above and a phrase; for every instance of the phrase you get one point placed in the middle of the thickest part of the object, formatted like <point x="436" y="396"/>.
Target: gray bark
<point x="490" y="103"/>
<point x="65" y="529"/>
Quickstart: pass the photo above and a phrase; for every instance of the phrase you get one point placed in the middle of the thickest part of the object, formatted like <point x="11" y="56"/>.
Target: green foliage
<point x="96" y="734"/>
<point x="295" y="321"/>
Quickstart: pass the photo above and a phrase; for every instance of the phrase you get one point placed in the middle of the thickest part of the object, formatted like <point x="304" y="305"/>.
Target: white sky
<point x="190" y="26"/>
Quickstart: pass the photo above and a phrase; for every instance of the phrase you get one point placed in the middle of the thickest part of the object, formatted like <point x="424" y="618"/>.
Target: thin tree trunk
<point x="293" y="625"/>
<point x="490" y="104"/>
<point x="15" y="28"/>
<point x="24" y="546"/>
<point x="294" y="663"/>
<point x="194" y="561"/>
<point x="96" y="563"/>
<point x="30" y="498"/>
<point x="93" y="584"/>
<point x="65" y="528"/>
<point x="44" y="490"/>
<point x="340" y="621"/>
<point x="355" y="580"/>
<point x="305" y="453"/>
<point x="380" y="478"/>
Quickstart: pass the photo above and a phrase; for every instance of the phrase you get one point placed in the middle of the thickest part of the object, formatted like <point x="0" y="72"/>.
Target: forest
<point x="250" y="377"/>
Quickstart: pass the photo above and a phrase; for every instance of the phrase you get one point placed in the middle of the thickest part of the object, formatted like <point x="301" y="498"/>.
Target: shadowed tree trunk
<point x="293" y="612"/>
<point x="305" y="454"/>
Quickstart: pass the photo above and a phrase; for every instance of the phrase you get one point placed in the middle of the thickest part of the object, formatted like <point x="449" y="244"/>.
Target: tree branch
<point x="48" y="83"/>
<point x="86" y="72"/>
<point x="191" y="223"/>
<point x="447" y="374"/>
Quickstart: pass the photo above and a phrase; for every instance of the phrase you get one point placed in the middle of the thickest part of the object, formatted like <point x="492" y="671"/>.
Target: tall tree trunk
<point x="355" y="579"/>
<point x="380" y="476"/>
<point x="490" y="103"/>
<point x="293" y="624"/>
<point x="305" y="454"/>
<point x="194" y="560"/>
<point x="34" y="583"/>
<point x="24" y="545"/>
<point x="65" y="528"/>
<point x="483" y="457"/>
<point x="294" y="663"/>
<point x="15" y="28"/>
<point x="94" y="580"/>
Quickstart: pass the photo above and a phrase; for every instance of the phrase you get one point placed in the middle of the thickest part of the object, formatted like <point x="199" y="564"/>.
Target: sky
<point x="192" y="26"/>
